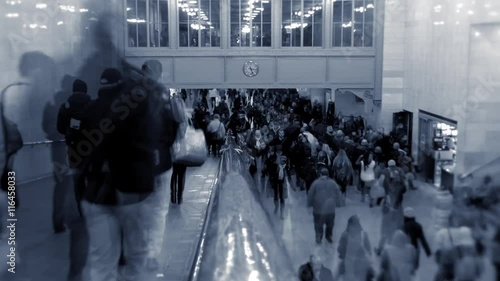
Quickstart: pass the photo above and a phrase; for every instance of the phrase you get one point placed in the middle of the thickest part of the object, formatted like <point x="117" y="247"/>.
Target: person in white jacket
<point x="367" y="174"/>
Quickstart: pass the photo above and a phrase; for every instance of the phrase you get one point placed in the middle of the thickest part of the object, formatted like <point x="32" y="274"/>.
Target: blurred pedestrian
<point x="355" y="253"/>
<point x="392" y="220"/>
<point x="314" y="270"/>
<point x="414" y="230"/>
<point x="401" y="257"/>
<point x="324" y="197"/>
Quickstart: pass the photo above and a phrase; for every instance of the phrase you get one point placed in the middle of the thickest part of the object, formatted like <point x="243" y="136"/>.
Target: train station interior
<point x="214" y="140"/>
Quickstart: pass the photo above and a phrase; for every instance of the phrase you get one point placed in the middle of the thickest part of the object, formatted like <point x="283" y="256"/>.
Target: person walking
<point x="355" y="253"/>
<point x="72" y="122"/>
<point x="367" y="174"/>
<point x="324" y="197"/>
<point x="342" y="171"/>
<point x="400" y="257"/>
<point x="217" y="132"/>
<point x="392" y="220"/>
<point x="394" y="184"/>
<point x="314" y="270"/>
<point x="414" y="230"/>
<point x="279" y="184"/>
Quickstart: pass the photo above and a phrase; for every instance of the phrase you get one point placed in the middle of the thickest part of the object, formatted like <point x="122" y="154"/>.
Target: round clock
<point x="251" y="68"/>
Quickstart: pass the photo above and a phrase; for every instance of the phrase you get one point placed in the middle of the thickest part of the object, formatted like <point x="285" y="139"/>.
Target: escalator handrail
<point x="195" y="268"/>
<point x="473" y="171"/>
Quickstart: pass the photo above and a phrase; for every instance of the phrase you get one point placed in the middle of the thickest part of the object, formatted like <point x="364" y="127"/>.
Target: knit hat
<point x="391" y="163"/>
<point x="79" y="86"/>
<point x="364" y="142"/>
<point x="409" y="212"/>
<point x="378" y="150"/>
<point x="110" y="76"/>
<point x="340" y="133"/>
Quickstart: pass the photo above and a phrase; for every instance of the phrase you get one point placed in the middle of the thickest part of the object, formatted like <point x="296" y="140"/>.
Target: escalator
<point x="238" y="241"/>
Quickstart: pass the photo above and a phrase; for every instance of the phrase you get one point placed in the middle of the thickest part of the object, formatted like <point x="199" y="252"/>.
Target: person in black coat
<point x="414" y="230"/>
<point x="314" y="270"/>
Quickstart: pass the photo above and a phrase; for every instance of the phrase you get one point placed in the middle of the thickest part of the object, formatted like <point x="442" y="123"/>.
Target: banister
<point x="465" y="175"/>
<point x="47" y="142"/>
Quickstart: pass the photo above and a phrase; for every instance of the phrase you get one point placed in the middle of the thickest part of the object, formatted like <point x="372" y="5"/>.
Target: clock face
<point x="251" y="68"/>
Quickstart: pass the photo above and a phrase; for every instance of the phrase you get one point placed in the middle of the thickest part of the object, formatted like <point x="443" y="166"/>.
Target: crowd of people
<point x="119" y="153"/>
<point x="295" y="144"/>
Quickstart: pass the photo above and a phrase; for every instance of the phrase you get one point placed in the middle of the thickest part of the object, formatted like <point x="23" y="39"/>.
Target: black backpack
<point x="72" y="122"/>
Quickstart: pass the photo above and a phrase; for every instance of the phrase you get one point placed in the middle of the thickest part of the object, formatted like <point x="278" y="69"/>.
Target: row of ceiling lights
<point x="42" y="6"/>
<point x="252" y="11"/>
<point x="459" y="6"/>
<point x="310" y="12"/>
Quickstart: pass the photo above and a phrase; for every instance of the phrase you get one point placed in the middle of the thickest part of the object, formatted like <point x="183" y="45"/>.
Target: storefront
<point x="437" y="148"/>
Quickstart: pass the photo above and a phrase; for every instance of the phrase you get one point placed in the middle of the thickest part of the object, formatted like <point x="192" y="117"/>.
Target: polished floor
<point x="43" y="255"/>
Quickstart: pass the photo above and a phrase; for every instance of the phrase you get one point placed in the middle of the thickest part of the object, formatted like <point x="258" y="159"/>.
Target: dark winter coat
<point x="414" y="230"/>
<point x="306" y="273"/>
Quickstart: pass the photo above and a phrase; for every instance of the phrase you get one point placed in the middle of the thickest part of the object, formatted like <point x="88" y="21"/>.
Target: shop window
<point x="353" y="22"/>
<point x="147" y="23"/>
<point x="250" y="23"/>
<point x="199" y="23"/>
<point x="302" y="23"/>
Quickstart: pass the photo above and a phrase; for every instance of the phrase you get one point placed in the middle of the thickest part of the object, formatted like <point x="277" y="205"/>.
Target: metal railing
<point x="46" y="142"/>
<point x="475" y="170"/>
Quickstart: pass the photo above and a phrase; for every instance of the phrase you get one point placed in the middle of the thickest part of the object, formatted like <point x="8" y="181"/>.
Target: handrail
<point x="47" y="142"/>
<point x="465" y="175"/>
<point x="199" y="253"/>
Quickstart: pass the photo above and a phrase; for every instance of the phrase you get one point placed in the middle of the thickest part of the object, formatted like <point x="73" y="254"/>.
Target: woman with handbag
<point x="189" y="150"/>
<point x="367" y="174"/>
<point x="178" y="173"/>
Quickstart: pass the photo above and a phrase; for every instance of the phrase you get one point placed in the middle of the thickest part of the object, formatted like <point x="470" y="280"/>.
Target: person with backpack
<point x="72" y="121"/>
<point x="125" y="200"/>
<point x="217" y="132"/>
<point x="355" y="253"/>
<point x="394" y="184"/>
<point x="342" y="171"/>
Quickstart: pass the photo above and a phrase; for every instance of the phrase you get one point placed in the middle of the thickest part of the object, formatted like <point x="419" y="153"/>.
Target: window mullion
<point x="198" y="21"/>
<point x="251" y="29"/>
<point x="159" y="23"/>
<point x="136" y="23"/>
<point x="353" y="22"/>
<point x="210" y="19"/>
<point x="291" y="23"/>
<point x="312" y="25"/>
<point x="261" y="23"/>
<point x="240" y="30"/>
<point x="364" y="18"/>
<point x="147" y="25"/>
<point x="189" y="30"/>
<point x="342" y="25"/>
<point x="302" y="23"/>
